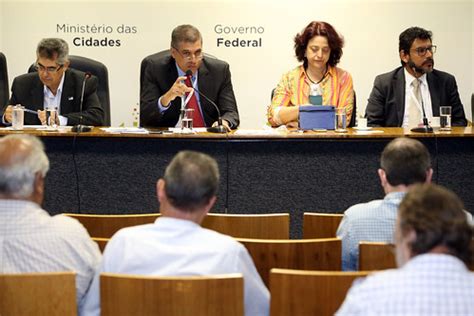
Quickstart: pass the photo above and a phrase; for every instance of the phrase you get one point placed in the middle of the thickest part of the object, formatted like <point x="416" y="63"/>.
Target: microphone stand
<point x="79" y="128"/>
<point x="220" y="128"/>
<point x="426" y="128"/>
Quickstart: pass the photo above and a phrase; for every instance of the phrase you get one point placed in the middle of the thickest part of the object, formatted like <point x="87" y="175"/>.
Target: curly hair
<point x="436" y="215"/>
<point x="316" y="28"/>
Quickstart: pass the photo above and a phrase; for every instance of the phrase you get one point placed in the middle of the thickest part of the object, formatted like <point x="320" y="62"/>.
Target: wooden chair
<point x="305" y="254"/>
<point x="101" y="242"/>
<point x="296" y="292"/>
<point x="47" y="294"/>
<point x="104" y="226"/>
<point x="275" y="226"/>
<point x="376" y="256"/>
<point x="320" y="225"/>
<point x="191" y="295"/>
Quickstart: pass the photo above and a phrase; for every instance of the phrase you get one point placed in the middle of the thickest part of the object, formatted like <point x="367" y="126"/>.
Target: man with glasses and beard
<point x="164" y="82"/>
<point x="398" y="97"/>
<point x="55" y="86"/>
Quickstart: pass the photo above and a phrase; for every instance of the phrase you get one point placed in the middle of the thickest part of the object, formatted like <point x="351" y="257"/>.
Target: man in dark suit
<point x="55" y="85"/>
<point x="395" y="101"/>
<point x="164" y="83"/>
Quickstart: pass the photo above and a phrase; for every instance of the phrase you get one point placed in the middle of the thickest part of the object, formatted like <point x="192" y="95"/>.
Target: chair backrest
<point x="320" y="293"/>
<point x="101" y="242"/>
<point x="352" y="122"/>
<point x="472" y="107"/>
<point x="52" y="293"/>
<point x="376" y="256"/>
<point x="153" y="58"/>
<point x="4" y="90"/>
<point x="305" y="254"/>
<point x="104" y="226"/>
<point x="270" y="226"/>
<point x="321" y="225"/>
<point x="97" y="69"/>
<point x="192" y="295"/>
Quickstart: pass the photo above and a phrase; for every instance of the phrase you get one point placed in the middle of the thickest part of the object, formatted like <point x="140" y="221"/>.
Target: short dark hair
<point x="315" y="28"/>
<point x="51" y="48"/>
<point x="185" y="33"/>
<point x="191" y="180"/>
<point x="407" y="37"/>
<point x="405" y="161"/>
<point x="436" y="215"/>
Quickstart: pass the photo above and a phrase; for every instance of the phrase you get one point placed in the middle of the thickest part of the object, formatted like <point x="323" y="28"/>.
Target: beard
<point x="420" y="69"/>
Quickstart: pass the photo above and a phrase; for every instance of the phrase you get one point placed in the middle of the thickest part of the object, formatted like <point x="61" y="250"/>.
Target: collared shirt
<point x="194" y="82"/>
<point x="425" y="95"/>
<point x="428" y="284"/>
<point x="52" y="101"/>
<point x="372" y="221"/>
<point x="33" y="241"/>
<point x="172" y="247"/>
<point x="293" y="89"/>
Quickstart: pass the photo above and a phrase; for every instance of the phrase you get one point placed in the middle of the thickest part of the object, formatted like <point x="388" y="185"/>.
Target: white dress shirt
<point x="425" y="95"/>
<point x="33" y="241"/>
<point x="172" y="247"/>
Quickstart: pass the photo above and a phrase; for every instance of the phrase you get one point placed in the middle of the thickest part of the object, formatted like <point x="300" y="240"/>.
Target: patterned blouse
<point x="293" y="89"/>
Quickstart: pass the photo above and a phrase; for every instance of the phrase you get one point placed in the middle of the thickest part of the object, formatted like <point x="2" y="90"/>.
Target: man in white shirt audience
<point x="433" y="240"/>
<point x="176" y="244"/>
<point x="30" y="239"/>
<point x="404" y="162"/>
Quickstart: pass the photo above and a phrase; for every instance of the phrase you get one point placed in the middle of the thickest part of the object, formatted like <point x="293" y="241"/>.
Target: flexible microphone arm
<point x="426" y="128"/>
<point x="82" y="128"/>
<point x="220" y="128"/>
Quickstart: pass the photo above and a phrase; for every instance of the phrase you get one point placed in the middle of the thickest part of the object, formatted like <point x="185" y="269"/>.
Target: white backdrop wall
<point x="370" y="29"/>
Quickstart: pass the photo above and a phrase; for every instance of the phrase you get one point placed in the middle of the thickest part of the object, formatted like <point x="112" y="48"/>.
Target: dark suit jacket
<point x="213" y="81"/>
<point x="387" y="100"/>
<point x="27" y="90"/>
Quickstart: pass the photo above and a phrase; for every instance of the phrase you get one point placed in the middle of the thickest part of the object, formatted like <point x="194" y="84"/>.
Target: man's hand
<point x="225" y="123"/>
<point x="8" y="114"/>
<point x="177" y="90"/>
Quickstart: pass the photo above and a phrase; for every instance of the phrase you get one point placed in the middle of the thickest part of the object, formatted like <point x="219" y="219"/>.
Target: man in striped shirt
<point x="433" y="240"/>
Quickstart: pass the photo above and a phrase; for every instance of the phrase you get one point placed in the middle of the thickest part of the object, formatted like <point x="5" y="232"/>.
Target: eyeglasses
<point x="189" y="56"/>
<point x="421" y="51"/>
<point x="50" y="70"/>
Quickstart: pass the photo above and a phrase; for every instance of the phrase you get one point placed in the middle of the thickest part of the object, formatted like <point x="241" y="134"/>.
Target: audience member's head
<point x="404" y="162"/>
<point x="431" y="220"/>
<point x="190" y="184"/>
<point x="23" y="166"/>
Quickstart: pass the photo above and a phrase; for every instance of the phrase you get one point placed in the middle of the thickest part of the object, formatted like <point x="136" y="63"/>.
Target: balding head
<point x="406" y="161"/>
<point x="23" y="163"/>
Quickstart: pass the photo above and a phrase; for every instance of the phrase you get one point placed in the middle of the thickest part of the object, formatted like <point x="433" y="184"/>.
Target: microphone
<point x="82" y="128"/>
<point x="426" y="128"/>
<point x="220" y="128"/>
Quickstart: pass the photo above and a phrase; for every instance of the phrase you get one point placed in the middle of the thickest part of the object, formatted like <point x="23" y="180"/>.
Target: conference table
<point x="261" y="171"/>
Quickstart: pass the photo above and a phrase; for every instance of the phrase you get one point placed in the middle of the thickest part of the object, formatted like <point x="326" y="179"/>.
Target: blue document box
<point x="317" y="117"/>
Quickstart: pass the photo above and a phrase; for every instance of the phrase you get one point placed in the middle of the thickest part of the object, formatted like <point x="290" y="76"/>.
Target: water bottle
<point x="315" y="95"/>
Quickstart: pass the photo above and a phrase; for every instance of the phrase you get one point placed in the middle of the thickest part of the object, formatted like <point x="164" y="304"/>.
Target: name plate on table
<point x="317" y="117"/>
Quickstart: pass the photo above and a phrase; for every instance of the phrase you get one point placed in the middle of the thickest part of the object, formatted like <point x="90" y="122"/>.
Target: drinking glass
<point x="445" y="118"/>
<point x="341" y="121"/>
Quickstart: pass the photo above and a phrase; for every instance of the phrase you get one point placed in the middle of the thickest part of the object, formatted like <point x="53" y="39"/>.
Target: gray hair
<point x="191" y="180"/>
<point x="23" y="156"/>
<point x="185" y="33"/>
<point x="51" y="48"/>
